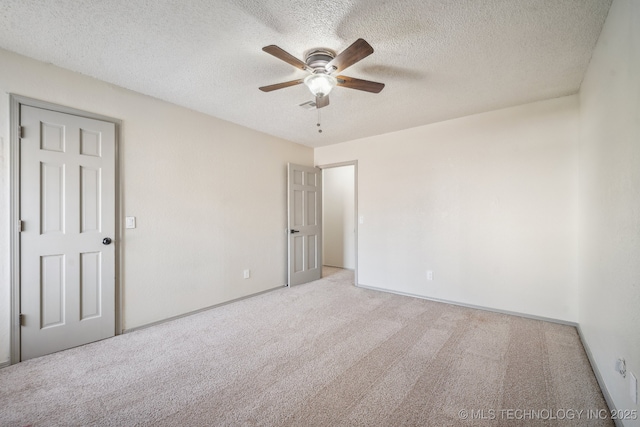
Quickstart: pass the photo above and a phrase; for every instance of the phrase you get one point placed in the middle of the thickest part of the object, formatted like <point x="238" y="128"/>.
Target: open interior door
<point x="304" y="203"/>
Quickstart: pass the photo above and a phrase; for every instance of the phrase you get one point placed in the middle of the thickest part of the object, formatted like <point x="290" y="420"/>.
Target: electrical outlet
<point x="429" y="275"/>
<point x="247" y="274"/>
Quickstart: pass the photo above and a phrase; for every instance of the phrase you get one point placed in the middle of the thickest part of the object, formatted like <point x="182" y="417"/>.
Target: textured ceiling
<point x="439" y="59"/>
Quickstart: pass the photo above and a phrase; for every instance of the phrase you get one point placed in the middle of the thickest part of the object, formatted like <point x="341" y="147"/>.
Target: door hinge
<point x="20" y="131"/>
<point x="21" y="319"/>
<point x="20" y="226"/>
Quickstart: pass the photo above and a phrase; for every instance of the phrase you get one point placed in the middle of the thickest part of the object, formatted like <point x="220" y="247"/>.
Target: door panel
<point x="52" y="269"/>
<point x="89" y="200"/>
<point x="305" y="224"/>
<point x="90" y="284"/>
<point x="67" y="206"/>
<point x="52" y="198"/>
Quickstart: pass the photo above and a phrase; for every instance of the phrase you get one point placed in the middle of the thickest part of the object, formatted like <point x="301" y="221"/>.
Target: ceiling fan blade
<point x="359" y="84"/>
<point x="358" y="50"/>
<point x="322" y="101"/>
<point x="280" y="85"/>
<point x="286" y="57"/>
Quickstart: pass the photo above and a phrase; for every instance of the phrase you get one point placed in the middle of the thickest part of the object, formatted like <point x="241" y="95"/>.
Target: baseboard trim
<point x="599" y="378"/>
<point x="191" y="313"/>
<point x="477" y="307"/>
<point x="5" y="364"/>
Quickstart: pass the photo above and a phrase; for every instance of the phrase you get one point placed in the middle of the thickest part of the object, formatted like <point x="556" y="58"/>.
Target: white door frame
<point x="353" y="163"/>
<point x="14" y="205"/>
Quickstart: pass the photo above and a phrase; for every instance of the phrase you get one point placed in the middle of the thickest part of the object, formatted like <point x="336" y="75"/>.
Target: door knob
<point x="106" y="241"/>
<point x="295" y="231"/>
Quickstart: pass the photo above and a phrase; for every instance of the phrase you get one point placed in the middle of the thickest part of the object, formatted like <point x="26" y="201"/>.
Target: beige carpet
<point x="321" y="354"/>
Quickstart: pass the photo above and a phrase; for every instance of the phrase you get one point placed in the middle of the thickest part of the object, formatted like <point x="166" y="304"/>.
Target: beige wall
<point x="610" y="201"/>
<point x="209" y="196"/>
<point x="486" y="202"/>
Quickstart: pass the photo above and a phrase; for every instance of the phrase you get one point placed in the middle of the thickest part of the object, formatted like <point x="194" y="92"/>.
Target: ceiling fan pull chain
<point x="318" y="124"/>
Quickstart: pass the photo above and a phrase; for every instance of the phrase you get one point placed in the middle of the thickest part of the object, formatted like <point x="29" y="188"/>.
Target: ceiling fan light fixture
<point x="320" y="84"/>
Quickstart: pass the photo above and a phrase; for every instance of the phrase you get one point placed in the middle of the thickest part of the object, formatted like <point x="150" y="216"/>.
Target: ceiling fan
<point x="322" y="63"/>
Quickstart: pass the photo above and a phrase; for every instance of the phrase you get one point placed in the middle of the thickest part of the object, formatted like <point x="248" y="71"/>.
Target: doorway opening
<point x="339" y="216"/>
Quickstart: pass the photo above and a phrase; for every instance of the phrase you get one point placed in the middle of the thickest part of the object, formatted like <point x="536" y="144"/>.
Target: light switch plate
<point x="130" y="222"/>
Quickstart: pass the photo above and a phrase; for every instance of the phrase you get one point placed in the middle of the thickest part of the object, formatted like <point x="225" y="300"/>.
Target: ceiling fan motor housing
<point x="318" y="58"/>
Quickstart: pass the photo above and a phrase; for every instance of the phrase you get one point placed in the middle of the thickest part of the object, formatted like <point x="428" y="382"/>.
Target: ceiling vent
<point x="310" y="105"/>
